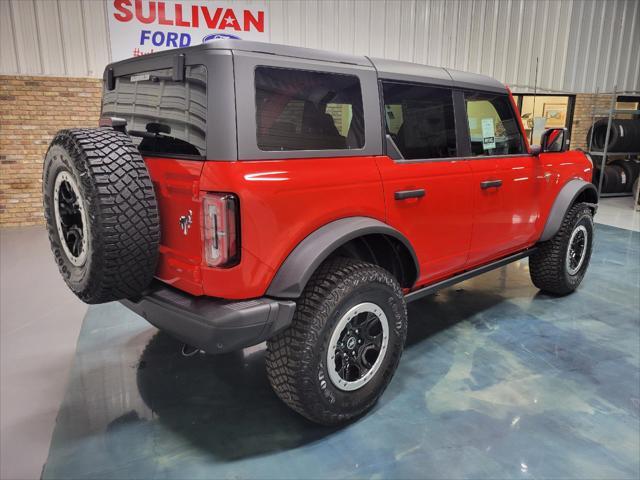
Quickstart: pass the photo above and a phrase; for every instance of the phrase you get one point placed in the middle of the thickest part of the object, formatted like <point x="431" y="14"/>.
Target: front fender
<point x="565" y="199"/>
<point x="296" y="270"/>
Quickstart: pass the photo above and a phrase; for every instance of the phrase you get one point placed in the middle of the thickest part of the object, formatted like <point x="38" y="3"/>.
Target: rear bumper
<point x="211" y="324"/>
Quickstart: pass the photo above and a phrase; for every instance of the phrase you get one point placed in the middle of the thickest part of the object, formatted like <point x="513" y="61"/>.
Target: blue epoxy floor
<point x="497" y="381"/>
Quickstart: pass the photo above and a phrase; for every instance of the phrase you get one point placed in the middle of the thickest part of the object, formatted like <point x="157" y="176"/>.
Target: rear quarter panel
<point x="176" y="183"/>
<point x="281" y="202"/>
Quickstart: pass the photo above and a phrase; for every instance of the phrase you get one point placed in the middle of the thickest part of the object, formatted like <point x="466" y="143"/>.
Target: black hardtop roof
<point x="387" y="69"/>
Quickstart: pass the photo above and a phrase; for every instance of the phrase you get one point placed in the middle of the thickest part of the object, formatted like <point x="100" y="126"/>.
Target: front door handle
<point x="490" y="183"/>
<point x="404" y="194"/>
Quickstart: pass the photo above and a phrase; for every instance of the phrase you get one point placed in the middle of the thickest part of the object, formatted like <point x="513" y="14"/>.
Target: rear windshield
<point x="305" y="110"/>
<point x="164" y="117"/>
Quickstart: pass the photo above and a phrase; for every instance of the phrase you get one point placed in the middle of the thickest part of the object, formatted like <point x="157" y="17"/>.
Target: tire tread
<point x="289" y="352"/>
<point x="546" y="265"/>
<point x="124" y="220"/>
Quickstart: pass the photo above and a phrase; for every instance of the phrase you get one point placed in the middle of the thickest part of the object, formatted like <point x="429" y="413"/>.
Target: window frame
<point x="463" y="136"/>
<point x="269" y="67"/>
<point x="246" y="62"/>
<point x="516" y="117"/>
<point x="457" y="132"/>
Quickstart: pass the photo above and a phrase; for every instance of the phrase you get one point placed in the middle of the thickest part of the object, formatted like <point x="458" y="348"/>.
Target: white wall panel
<point x="513" y="65"/>
<point x="26" y="34"/>
<point x="276" y="15"/>
<point x="8" y="59"/>
<point x="406" y="42"/>
<point x="632" y="71"/>
<point x="377" y="27"/>
<point x="96" y="36"/>
<point x="362" y="28"/>
<point x="50" y="37"/>
<point x="345" y="30"/>
<point x="604" y="46"/>
<point x="392" y="30"/>
<point x="503" y="32"/>
<point x="73" y="37"/>
<point x="478" y="15"/>
<point x="463" y="44"/>
<point x="310" y="17"/>
<point x="582" y="45"/>
<point x="560" y="62"/>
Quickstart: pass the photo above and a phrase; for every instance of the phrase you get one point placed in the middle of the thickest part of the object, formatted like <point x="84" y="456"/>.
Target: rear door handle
<point x="490" y="183"/>
<point x="404" y="194"/>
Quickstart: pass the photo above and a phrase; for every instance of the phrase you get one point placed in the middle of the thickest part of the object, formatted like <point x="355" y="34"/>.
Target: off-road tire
<point x="122" y="214"/>
<point x="296" y="357"/>
<point x="629" y="170"/>
<point x="547" y="265"/>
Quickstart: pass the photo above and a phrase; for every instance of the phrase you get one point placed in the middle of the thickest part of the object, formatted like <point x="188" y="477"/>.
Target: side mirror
<point x="554" y="140"/>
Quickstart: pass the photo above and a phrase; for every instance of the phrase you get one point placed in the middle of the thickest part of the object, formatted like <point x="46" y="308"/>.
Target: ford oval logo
<point x="219" y="36"/>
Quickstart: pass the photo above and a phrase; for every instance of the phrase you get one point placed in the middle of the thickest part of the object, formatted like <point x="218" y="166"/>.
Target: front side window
<point x="306" y="110"/>
<point x="493" y="127"/>
<point x="420" y="120"/>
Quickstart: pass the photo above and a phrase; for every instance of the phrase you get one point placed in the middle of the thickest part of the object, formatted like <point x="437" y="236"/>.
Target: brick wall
<point x="582" y="116"/>
<point x="32" y="110"/>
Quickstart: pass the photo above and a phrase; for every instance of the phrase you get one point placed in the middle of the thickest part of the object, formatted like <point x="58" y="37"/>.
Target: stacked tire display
<point x="623" y="137"/>
<point x="619" y="175"/>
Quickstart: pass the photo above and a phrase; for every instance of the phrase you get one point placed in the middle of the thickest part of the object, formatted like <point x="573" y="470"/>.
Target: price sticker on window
<point x="488" y="134"/>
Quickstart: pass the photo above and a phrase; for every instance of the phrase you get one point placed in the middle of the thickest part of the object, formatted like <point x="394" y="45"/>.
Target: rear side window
<point x="306" y="110"/>
<point x="164" y="117"/>
<point x="493" y="127"/>
<point x="420" y="120"/>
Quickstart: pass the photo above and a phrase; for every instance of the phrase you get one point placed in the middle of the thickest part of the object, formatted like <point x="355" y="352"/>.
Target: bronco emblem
<point x="185" y="222"/>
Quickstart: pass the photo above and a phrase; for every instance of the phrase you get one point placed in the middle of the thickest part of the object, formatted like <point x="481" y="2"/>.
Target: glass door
<point x="540" y="112"/>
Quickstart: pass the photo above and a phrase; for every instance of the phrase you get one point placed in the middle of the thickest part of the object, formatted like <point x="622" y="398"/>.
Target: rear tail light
<point x="221" y="230"/>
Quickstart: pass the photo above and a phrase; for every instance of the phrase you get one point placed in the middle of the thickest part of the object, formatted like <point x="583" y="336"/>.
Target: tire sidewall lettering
<point x="59" y="162"/>
<point x="120" y="213"/>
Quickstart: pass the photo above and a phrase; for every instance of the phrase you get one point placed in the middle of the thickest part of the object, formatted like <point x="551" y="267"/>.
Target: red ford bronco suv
<point x="238" y="192"/>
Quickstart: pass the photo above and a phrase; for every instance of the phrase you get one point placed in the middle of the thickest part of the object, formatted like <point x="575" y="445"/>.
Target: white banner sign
<point x="139" y="27"/>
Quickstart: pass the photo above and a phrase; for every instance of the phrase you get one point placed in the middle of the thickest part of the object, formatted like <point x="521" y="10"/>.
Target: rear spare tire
<point x="101" y="214"/>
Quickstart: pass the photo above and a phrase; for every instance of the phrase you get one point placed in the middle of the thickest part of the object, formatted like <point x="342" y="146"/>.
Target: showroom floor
<point x="618" y="212"/>
<point x="497" y="380"/>
<point x="39" y="324"/>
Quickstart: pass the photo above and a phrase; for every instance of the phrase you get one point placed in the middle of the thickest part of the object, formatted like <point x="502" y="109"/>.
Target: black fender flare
<point x="565" y="199"/>
<point x="306" y="257"/>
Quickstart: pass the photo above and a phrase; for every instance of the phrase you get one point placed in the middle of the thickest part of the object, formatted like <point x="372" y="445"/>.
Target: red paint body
<point x="455" y="226"/>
